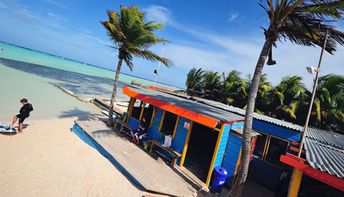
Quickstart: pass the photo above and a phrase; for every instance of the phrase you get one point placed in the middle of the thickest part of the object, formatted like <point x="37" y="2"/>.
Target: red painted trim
<point x="302" y="160"/>
<point x="295" y="143"/>
<point x="324" y="177"/>
<point x="295" y="149"/>
<point x="159" y="89"/>
<point x="199" y="118"/>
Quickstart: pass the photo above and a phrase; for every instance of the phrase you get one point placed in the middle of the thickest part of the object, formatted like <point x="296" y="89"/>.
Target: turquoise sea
<point x="33" y="74"/>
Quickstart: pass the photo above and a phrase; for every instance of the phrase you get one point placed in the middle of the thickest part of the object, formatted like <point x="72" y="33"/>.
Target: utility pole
<point x="305" y="128"/>
<point x="156" y="71"/>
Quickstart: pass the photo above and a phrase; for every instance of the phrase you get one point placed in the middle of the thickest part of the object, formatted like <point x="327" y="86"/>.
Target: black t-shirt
<point x="26" y="109"/>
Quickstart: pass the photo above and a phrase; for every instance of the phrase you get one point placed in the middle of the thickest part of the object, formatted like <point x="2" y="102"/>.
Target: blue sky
<point x="218" y="35"/>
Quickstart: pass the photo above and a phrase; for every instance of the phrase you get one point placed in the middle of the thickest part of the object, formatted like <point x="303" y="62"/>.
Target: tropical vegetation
<point x="131" y="36"/>
<point x="302" y="22"/>
<point x="288" y="100"/>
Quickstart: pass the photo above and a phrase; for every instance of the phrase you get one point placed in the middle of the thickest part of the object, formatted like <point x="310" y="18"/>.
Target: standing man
<point x="23" y="114"/>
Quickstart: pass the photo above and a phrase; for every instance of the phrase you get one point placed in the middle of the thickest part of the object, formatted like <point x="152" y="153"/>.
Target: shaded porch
<point x="139" y="167"/>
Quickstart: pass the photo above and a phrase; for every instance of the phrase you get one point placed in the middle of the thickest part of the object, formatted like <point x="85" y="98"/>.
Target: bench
<point x="157" y="146"/>
<point x="126" y="130"/>
<point x="123" y="127"/>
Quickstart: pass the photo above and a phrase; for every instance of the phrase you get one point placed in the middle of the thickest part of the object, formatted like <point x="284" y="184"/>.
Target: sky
<point x="214" y="35"/>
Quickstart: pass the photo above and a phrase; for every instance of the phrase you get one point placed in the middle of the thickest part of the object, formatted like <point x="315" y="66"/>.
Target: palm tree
<point x="194" y="81"/>
<point x="131" y="36"/>
<point x="289" y="93"/>
<point x="212" y="85"/>
<point x="231" y="87"/>
<point x="302" y="22"/>
<point x="263" y="95"/>
<point x="328" y="111"/>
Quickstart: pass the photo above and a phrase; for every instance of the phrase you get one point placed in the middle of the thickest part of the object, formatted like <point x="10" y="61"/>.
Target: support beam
<point x="175" y="127"/>
<point x="130" y="109"/>
<point x="210" y="172"/>
<point x="295" y="183"/>
<point x="186" y="145"/>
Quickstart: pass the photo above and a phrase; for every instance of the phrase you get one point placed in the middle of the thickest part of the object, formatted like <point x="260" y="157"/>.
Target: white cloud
<point x="233" y="16"/>
<point x="159" y="13"/>
<point x="241" y="53"/>
<point x="57" y="4"/>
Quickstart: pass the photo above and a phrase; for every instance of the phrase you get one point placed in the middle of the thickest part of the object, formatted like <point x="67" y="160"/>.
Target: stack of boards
<point x="6" y="129"/>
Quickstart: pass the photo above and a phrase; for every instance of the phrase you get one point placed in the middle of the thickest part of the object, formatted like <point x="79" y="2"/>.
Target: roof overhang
<point x="188" y="114"/>
<point x="324" y="177"/>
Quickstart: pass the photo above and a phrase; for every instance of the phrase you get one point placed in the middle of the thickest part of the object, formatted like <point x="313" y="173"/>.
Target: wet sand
<point x="50" y="160"/>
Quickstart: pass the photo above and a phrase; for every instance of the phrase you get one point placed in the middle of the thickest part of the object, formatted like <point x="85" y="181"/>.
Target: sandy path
<point x="49" y="160"/>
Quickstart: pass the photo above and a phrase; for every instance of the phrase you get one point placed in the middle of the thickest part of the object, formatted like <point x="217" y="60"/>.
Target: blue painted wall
<point x="276" y="130"/>
<point x="231" y="157"/>
<point x="222" y="146"/>
<point x="134" y="123"/>
<point x="154" y="130"/>
<point x="180" y="135"/>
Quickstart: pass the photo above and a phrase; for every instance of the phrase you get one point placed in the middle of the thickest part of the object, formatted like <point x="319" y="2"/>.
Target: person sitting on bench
<point x="139" y="133"/>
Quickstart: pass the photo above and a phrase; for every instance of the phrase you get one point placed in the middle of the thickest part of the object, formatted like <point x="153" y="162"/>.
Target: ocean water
<point x="34" y="75"/>
<point x="21" y="54"/>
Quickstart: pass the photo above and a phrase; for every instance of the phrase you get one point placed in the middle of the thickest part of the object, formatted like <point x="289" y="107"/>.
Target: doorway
<point x="200" y="151"/>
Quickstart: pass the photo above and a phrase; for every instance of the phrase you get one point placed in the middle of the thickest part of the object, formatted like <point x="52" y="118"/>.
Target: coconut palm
<point x="289" y="92"/>
<point x="194" y="81"/>
<point x="303" y="22"/>
<point x="131" y="36"/>
<point x="263" y="95"/>
<point x="231" y="89"/>
<point x="328" y="111"/>
<point x="212" y="85"/>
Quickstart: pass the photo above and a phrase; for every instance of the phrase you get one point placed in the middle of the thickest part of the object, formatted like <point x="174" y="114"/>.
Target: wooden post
<point x="130" y="109"/>
<point x="295" y="183"/>
<point x="186" y="145"/>
<point x="143" y="105"/>
<point x="210" y="172"/>
<point x="175" y="127"/>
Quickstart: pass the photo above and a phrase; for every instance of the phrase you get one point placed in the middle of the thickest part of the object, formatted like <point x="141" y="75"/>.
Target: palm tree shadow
<point x="78" y="83"/>
<point x="75" y="112"/>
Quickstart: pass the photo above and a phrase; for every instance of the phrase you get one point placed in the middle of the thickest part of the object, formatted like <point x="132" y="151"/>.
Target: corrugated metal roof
<point x="241" y="131"/>
<point x="326" y="137"/>
<point x="325" y="157"/>
<point x="256" y="115"/>
<point x="190" y="104"/>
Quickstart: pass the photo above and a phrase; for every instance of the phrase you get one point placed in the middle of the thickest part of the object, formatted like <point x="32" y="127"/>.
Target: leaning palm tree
<point x="131" y="36"/>
<point x="302" y="22"/>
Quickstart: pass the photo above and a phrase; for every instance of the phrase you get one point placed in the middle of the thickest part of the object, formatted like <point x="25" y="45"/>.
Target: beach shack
<point x="208" y="134"/>
<point x="272" y="138"/>
<point x="199" y="132"/>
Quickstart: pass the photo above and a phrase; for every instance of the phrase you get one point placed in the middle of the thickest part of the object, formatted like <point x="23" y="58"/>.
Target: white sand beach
<point x="50" y="160"/>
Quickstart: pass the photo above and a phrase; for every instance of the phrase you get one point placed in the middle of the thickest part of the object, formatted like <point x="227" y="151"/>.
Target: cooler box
<point x="218" y="179"/>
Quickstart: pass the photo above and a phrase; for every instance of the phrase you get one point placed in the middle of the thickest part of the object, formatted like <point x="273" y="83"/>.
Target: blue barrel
<point x="218" y="179"/>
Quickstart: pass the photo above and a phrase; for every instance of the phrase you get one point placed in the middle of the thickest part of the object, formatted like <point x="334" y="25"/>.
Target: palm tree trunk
<point x="246" y="142"/>
<point x="114" y="91"/>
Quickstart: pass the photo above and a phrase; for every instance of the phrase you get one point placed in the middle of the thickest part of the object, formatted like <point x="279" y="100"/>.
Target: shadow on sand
<point x="79" y="84"/>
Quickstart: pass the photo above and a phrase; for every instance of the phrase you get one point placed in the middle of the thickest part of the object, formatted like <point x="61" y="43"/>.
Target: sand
<point x="50" y="160"/>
